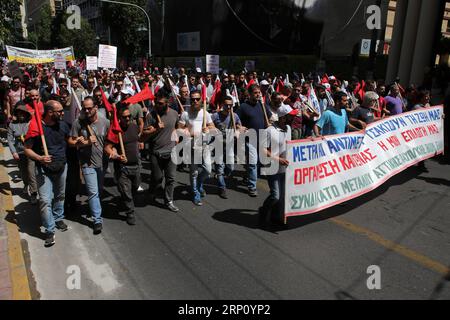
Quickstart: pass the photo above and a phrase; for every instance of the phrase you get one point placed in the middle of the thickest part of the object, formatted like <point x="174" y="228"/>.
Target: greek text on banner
<point x="324" y="173"/>
<point x="30" y="56"/>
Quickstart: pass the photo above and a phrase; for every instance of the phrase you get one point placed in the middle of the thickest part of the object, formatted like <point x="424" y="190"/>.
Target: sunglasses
<point x="63" y="85"/>
<point x="59" y="111"/>
<point x="196" y="99"/>
<point x="126" y="117"/>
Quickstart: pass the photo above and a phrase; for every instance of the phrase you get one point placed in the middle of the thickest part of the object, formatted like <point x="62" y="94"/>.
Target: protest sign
<point x="91" y="63"/>
<point x="30" y="56"/>
<point x="60" y="62"/>
<point x="324" y="173"/>
<point x="107" y="56"/>
<point x="212" y="64"/>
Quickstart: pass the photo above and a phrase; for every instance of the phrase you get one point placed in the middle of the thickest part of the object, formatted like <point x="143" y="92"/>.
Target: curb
<point x="20" y="285"/>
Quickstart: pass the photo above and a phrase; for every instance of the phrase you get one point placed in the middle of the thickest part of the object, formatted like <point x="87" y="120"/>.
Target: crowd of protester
<point x="90" y="119"/>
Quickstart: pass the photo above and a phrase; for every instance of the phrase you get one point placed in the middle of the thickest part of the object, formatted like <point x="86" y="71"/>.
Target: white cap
<point x="286" y="109"/>
<point x="5" y="78"/>
<point x="264" y="83"/>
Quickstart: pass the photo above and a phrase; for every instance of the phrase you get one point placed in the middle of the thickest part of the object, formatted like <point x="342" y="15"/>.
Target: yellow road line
<point x="401" y="250"/>
<point x="18" y="271"/>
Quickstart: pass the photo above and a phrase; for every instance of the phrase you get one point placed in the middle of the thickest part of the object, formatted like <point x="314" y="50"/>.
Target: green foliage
<point x="9" y="14"/>
<point x="124" y="22"/>
<point x="83" y="40"/>
<point x="42" y="30"/>
<point x="52" y="32"/>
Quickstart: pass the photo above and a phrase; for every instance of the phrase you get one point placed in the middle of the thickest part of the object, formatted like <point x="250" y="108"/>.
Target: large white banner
<point x="107" y="56"/>
<point x="324" y="173"/>
<point x="30" y="56"/>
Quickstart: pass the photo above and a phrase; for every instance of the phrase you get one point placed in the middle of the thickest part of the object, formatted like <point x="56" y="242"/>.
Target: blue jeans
<point x="52" y="189"/>
<point x="277" y="192"/>
<point x="93" y="178"/>
<point x="198" y="174"/>
<point x="223" y="170"/>
<point x="252" y="165"/>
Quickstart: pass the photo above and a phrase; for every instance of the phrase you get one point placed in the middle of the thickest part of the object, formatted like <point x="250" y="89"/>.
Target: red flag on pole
<point x="145" y="94"/>
<point x="114" y="129"/>
<point x="35" y="128"/>
<point x="217" y="91"/>
<point x="108" y="105"/>
<point x="251" y="82"/>
<point x="280" y="86"/>
<point x="203" y="90"/>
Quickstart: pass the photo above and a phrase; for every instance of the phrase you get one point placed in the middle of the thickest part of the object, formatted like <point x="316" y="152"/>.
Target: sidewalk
<point x="14" y="284"/>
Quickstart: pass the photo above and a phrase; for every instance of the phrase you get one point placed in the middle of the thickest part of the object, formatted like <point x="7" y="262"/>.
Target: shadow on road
<point x="245" y="218"/>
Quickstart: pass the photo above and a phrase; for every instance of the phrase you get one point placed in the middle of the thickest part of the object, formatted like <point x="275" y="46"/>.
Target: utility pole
<point x="163" y="18"/>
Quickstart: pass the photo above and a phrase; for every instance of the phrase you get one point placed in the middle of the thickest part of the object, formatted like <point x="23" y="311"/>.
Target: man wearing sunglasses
<point x="160" y="125"/>
<point x="192" y="122"/>
<point x="230" y="126"/>
<point x="89" y="91"/>
<point x="126" y="164"/>
<point x="88" y="136"/>
<point x="51" y="170"/>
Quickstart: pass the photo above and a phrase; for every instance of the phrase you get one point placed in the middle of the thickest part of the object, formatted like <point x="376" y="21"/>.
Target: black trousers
<point x="128" y="180"/>
<point x="162" y="168"/>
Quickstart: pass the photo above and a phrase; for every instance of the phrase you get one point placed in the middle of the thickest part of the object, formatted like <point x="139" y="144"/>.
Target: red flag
<point x="217" y="91"/>
<point x="145" y="94"/>
<point x="40" y="107"/>
<point x="252" y="82"/>
<point x="35" y="128"/>
<point x="325" y="79"/>
<point x="108" y="105"/>
<point x="280" y="86"/>
<point x="115" y="128"/>
<point x="203" y="91"/>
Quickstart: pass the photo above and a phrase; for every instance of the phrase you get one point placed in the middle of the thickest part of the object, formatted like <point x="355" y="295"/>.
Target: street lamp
<point x="148" y="18"/>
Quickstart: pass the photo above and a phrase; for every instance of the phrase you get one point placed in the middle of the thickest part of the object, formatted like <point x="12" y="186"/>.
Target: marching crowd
<point x="64" y="127"/>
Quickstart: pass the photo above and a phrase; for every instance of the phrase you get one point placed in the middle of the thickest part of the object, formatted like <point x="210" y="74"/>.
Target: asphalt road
<point x="219" y="251"/>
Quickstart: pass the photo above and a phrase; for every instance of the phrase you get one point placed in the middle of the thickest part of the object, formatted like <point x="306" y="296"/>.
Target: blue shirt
<point x="252" y="116"/>
<point x="55" y="138"/>
<point x="333" y="123"/>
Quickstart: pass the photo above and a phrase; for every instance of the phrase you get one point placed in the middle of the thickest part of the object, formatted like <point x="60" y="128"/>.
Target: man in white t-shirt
<point x="275" y="147"/>
<point x="192" y="122"/>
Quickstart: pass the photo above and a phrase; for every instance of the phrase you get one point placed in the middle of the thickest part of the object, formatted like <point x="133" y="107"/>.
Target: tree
<point x="9" y="13"/>
<point x="82" y="40"/>
<point x="42" y="34"/>
<point x="52" y="32"/>
<point x="125" y="21"/>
